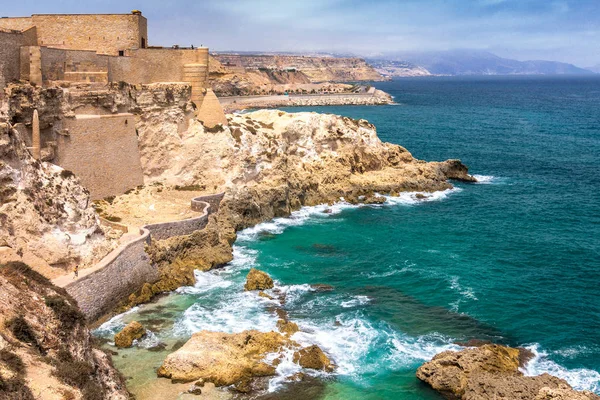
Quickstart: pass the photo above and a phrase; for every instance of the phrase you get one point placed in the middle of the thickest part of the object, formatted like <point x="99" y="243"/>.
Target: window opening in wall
<point x="121" y="53"/>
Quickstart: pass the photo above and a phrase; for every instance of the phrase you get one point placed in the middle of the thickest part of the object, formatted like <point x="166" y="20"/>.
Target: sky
<point x="557" y="30"/>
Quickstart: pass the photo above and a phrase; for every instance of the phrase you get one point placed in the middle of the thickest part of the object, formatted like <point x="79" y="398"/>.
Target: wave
<point x="413" y="198"/>
<point x="236" y="313"/>
<point x="489" y="180"/>
<point x="205" y="282"/>
<point x="296" y="218"/>
<point x="579" y="378"/>
<point x="114" y="325"/>
<point x="322" y="212"/>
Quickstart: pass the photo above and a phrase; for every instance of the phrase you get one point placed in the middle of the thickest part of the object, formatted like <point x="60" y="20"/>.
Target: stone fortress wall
<point x="48" y="49"/>
<point x="103" y="150"/>
<point x="128" y="268"/>
<point x="102" y="33"/>
<point x="11" y="42"/>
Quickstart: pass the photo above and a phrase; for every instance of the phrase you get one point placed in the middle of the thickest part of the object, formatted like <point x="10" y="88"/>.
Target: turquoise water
<point x="514" y="259"/>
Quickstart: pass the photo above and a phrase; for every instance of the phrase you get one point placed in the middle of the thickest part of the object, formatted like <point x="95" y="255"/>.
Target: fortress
<point x="66" y="50"/>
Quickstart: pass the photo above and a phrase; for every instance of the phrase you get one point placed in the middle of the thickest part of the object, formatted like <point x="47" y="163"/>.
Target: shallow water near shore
<point x="514" y="259"/>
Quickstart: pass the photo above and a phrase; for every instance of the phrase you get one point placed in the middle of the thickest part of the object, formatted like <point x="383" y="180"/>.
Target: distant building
<point x="100" y="48"/>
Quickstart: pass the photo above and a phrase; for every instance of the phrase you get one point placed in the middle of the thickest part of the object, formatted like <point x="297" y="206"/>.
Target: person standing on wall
<point x="76" y="272"/>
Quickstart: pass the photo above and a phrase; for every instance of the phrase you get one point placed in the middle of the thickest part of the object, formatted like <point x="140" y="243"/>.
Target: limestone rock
<point x="374" y="199"/>
<point x="133" y="331"/>
<point x="41" y="326"/>
<point x="46" y="217"/>
<point x="313" y="357"/>
<point x="487" y="372"/>
<point x="288" y="328"/>
<point x="224" y="358"/>
<point x="258" y="280"/>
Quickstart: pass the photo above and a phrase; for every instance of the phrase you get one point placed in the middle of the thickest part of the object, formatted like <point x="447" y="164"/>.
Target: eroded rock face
<point x="46" y="217"/>
<point x="133" y="331"/>
<point x="314" y="358"/>
<point x="488" y="372"/>
<point x="223" y="358"/>
<point x="46" y="349"/>
<point x="258" y="280"/>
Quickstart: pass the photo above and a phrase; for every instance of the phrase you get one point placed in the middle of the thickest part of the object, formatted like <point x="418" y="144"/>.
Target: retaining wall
<point x="126" y="269"/>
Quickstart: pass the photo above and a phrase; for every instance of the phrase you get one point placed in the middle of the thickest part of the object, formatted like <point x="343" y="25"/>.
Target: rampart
<point x="10" y="48"/>
<point x="126" y="269"/>
<point x="103" y="151"/>
<point x="104" y="33"/>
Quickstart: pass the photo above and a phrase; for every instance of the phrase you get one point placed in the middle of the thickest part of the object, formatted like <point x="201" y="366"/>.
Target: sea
<point x="514" y="258"/>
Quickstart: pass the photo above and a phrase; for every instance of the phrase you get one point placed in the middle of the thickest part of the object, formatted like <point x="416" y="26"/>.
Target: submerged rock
<point x="492" y="371"/>
<point x="314" y="358"/>
<point x="322" y="287"/>
<point x="133" y="331"/>
<point x="224" y="358"/>
<point x="374" y="199"/>
<point x="258" y="280"/>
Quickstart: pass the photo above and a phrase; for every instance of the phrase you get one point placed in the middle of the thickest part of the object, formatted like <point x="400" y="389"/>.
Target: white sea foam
<point x="238" y="313"/>
<point x="296" y="218"/>
<point x="579" y="378"/>
<point x="467" y="292"/>
<point x="205" y="282"/>
<point x="356" y="302"/>
<point x="115" y="324"/>
<point x="407" y="350"/>
<point x="412" y="198"/>
<point x="347" y="344"/>
<point x="148" y="341"/>
<point x="488" y="179"/>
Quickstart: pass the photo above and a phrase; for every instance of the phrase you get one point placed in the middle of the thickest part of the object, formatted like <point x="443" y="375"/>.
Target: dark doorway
<point x="143" y="43"/>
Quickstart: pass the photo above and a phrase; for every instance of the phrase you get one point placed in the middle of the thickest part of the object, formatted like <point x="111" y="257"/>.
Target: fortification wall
<point x="106" y="34"/>
<point x="128" y="268"/>
<point x="121" y="273"/>
<point x="74" y="65"/>
<point x="16" y="23"/>
<point x="102" y="150"/>
<point x="10" y="50"/>
<point x="156" y="65"/>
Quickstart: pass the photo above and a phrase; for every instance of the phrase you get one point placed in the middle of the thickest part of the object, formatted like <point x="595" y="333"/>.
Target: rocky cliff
<point x="490" y="372"/>
<point x="234" y="74"/>
<point x="46" y="218"/>
<point x="46" y="350"/>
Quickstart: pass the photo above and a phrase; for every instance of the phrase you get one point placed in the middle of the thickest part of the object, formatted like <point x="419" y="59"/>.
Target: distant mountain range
<point x="469" y="62"/>
<point x="595" y="68"/>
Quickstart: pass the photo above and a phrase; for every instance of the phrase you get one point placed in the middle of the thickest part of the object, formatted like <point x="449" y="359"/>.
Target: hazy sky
<point x="561" y="30"/>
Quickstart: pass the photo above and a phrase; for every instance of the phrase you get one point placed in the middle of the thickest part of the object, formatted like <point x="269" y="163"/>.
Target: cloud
<point x="564" y="30"/>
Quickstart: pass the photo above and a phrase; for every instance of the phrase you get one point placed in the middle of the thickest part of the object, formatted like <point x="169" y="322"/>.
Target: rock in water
<point x="314" y="358"/>
<point x="258" y="280"/>
<point x="492" y="372"/>
<point x="224" y="358"/>
<point x="288" y="328"/>
<point x="134" y="330"/>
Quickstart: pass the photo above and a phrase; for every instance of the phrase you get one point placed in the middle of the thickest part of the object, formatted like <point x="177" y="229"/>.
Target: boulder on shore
<point x="133" y="331"/>
<point x="258" y="280"/>
<point x="313" y="357"/>
<point x="224" y="358"/>
<point x="492" y="371"/>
